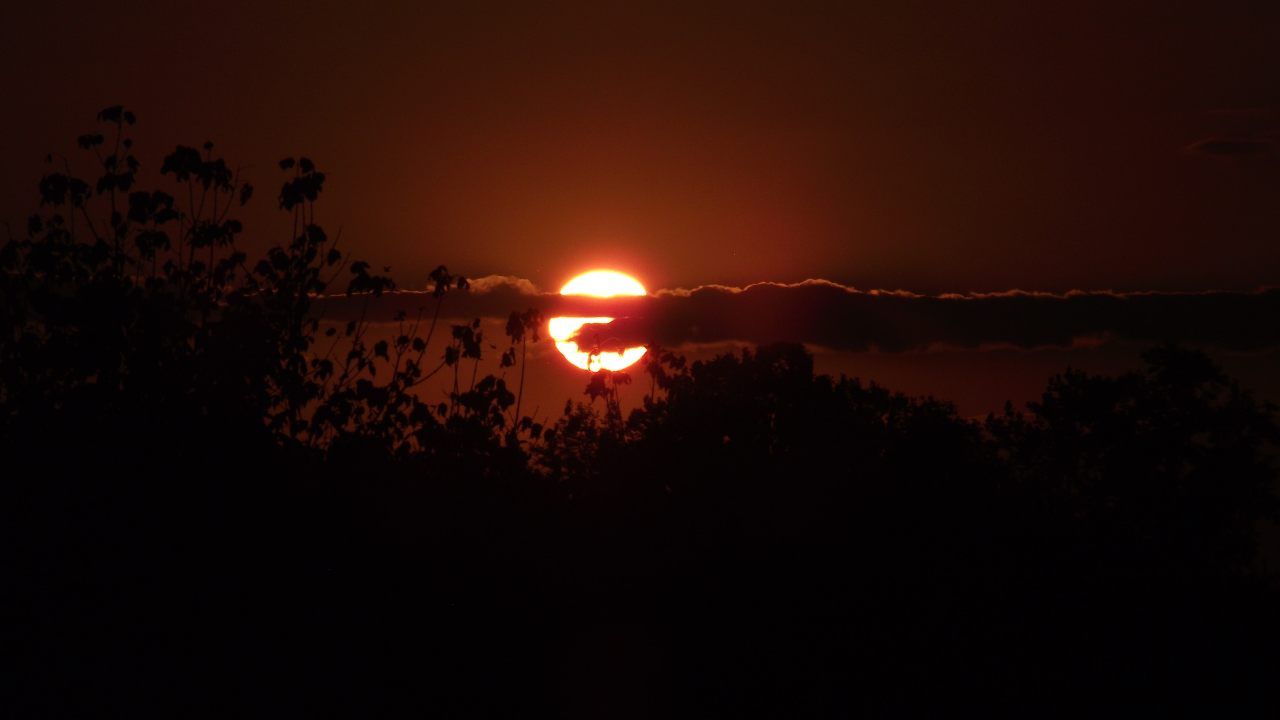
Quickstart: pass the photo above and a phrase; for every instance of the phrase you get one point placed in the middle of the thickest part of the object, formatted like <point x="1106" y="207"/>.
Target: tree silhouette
<point x="216" y="503"/>
<point x="159" y="296"/>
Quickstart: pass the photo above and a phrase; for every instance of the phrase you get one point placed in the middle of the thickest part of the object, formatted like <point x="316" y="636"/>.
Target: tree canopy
<point x="217" y="505"/>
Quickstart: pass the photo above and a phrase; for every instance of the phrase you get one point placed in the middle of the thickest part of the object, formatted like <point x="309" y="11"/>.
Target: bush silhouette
<point x="216" y="504"/>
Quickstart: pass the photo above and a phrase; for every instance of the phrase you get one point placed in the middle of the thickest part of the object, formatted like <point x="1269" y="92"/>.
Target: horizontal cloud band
<point x="835" y="316"/>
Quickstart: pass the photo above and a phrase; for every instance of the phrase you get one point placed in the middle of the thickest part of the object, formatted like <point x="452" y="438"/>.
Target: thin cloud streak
<point x="838" y="317"/>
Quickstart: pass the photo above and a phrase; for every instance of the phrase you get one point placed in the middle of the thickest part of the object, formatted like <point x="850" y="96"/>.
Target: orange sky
<point x="929" y="147"/>
<point x="933" y="148"/>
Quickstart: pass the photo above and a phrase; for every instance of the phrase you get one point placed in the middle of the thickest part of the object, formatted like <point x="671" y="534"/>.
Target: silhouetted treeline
<point x="213" y="508"/>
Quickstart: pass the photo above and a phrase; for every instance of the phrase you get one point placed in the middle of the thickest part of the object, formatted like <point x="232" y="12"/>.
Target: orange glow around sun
<point x="597" y="283"/>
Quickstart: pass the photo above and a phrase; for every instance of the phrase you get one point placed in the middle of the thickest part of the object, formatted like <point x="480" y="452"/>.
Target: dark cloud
<point x="838" y="317"/>
<point x="494" y="296"/>
<point x="1233" y="147"/>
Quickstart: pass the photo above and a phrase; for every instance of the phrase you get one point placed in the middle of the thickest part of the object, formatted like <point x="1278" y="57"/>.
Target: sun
<point x="597" y="283"/>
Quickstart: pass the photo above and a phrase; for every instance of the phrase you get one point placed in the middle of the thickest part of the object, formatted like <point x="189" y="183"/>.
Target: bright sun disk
<point x="597" y="283"/>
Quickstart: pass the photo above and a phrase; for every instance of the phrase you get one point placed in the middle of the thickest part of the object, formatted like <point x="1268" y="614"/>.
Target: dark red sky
<point x="969" y="147"/>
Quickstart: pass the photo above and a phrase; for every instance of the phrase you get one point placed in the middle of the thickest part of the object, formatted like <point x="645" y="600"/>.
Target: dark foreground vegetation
<point x="211" y="507"/>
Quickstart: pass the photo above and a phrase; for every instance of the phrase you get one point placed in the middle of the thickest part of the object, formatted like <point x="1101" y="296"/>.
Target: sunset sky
<point x="926" y="147"/>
